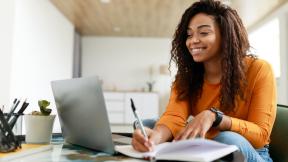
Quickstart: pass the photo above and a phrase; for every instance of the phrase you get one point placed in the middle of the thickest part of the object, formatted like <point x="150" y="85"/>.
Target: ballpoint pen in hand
<point x="138" y="119"/>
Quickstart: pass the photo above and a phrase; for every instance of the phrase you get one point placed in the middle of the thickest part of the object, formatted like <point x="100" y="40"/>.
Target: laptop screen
<point x="82" y="113"/>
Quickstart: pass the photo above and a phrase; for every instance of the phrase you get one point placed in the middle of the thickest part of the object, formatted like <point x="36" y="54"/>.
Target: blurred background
<point x="126" y="43"/>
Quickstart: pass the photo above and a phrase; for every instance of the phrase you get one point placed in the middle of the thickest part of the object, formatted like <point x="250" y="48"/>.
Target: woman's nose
<point x="195" y="39"/>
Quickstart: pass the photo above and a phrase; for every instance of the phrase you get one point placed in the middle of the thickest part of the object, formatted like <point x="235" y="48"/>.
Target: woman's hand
<point x="142" y="144"/>
<point x="198" y="127"/>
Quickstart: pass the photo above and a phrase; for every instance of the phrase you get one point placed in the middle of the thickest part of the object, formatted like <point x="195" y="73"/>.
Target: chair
<point x="279" y="136"/>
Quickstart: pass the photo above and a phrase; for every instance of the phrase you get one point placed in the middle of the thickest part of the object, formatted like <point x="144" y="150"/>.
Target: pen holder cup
<point x="38" y="128"/>
<point x="17" y="129"/>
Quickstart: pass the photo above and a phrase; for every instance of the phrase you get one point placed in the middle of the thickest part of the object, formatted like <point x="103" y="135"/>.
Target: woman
<point x="230" y="94"/>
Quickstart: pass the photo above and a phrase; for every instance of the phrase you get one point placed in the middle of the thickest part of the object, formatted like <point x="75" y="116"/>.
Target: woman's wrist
<point x="218" y="116"/>
<point x="212" y="116"/>
<point x="163" y="134"/>
<point x="225" y="123"/>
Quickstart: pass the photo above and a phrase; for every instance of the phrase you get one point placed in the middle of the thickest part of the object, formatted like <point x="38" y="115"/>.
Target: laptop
<point x="82" y="113"/>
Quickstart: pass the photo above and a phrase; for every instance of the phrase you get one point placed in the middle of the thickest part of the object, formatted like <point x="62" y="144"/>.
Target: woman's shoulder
<point x="254" y="63"/>
<point x="257" y="66"/>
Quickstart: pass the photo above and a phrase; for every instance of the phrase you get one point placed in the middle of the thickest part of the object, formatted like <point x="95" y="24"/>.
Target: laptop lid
<point x="82" y="113"/>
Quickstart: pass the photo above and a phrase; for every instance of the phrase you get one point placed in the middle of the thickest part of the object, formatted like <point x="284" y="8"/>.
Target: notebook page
<point x="130" y="151"/>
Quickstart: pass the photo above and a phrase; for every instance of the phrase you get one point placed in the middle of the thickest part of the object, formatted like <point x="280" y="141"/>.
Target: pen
<point x="138" y="119"/>
<point x="20" y="112"/>
<point x="13" y="107"/>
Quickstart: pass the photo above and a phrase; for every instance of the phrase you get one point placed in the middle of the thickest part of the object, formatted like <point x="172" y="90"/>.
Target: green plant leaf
<point x="45" y="111"/>
<point x="43" y="103"/>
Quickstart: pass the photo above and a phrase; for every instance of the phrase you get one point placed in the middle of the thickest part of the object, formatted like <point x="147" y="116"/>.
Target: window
<point x="265" y="42"/>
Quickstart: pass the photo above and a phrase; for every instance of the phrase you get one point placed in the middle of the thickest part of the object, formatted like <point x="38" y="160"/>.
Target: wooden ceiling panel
<point x="146" y="18"/>
<point x="134" y="18"/>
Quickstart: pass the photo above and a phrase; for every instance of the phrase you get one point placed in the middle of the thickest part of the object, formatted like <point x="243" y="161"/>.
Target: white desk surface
<point x="62" y="152"/>
<point x="67" y="153"/>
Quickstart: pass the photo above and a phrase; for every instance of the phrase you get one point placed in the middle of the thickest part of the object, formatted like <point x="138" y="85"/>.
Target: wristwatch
<point x="219" y="116"/>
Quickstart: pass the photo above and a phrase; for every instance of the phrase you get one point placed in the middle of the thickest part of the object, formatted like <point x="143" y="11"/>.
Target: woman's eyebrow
<point x="199" y="27"/>
<point x="203" y="26"/>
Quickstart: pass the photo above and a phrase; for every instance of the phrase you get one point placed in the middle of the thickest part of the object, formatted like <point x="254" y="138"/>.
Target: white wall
<point x="282" y="81"/>
<point x="43" y="50"/>
<point x="124" y="63"/>
<point x="6" y="32"/>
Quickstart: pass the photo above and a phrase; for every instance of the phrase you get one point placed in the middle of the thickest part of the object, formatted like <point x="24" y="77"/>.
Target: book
<point x="185" y="150"/>
<point x="26" y="149"/>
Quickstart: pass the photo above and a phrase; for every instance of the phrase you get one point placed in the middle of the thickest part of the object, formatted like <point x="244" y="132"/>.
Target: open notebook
<point x="185" y="150"/>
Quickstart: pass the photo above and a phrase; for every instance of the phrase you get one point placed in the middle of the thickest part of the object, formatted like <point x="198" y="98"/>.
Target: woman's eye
<point x="189" y="35"/>
<point x="204" y="33"/>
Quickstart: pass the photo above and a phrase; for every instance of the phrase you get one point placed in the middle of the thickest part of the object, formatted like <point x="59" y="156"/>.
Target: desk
<point x="63" y="152"/>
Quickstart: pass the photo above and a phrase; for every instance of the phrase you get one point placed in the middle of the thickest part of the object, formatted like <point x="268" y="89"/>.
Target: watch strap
<point x="218" y="118"/>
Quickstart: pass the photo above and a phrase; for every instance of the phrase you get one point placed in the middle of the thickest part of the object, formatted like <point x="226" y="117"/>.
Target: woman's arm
<point x="158" y="135"/>
<point x="170" y="123"/>
<point x="225" y="123"/>
<point x="256" y="124"/>
<point x="262" y="107"/>
<point x="176" y="114"/>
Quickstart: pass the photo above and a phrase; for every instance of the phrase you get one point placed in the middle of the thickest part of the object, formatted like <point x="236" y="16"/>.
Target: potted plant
<point x="39" y="124"/>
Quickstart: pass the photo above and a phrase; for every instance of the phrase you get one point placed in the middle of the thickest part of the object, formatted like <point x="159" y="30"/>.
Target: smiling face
<point x="203" y="38"/>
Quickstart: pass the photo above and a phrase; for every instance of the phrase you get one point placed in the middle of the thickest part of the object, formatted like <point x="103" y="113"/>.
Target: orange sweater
<point x="253" y="118"/>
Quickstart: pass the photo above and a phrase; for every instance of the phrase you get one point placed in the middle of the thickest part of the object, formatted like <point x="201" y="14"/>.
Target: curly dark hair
<point x="234" y="44"/>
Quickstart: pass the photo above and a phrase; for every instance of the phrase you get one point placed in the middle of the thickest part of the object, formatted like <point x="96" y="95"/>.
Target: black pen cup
<point x="16" y="121"/>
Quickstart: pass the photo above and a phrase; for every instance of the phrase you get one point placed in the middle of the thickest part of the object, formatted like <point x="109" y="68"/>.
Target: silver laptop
<point x="82" y="113"/>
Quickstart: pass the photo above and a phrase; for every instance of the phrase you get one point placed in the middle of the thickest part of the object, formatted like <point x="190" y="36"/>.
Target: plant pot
<point x="38" y="128"/>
